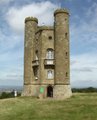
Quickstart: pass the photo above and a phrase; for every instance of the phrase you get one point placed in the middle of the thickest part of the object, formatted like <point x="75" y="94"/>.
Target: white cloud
<point x="42" y="10"/>
<point x="11" y="59"/>
<point x="84" y="70"/>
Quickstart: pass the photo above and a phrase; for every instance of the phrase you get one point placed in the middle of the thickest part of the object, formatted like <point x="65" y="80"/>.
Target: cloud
<point x="42" y="10"/>
<point x="11" y="58"/>
<point x="11" y="74"/>
<point x="84" y="70"/>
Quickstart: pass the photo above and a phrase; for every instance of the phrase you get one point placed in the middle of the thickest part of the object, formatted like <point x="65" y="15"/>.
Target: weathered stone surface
<point x="31" y="90"/>
<point x="46" y="58"/>
<point x="62" y="91"/>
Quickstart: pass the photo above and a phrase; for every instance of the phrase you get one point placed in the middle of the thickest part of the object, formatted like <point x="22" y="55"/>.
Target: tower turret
<point x="62" y="70"/>
<point x="30" y="29"/>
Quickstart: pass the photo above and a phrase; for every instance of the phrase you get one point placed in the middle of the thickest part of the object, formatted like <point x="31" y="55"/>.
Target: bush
<point x="8" y="95"/>
<point x="84" y="90"/>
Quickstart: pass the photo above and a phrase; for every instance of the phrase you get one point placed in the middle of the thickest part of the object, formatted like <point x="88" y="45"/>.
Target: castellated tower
<point x="46" y="58"/>
<point x="30" y="30"/>
<point x="62" y="60"/>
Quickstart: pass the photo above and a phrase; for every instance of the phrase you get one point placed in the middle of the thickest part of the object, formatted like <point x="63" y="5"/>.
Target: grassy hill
<point x="79" y="107"/>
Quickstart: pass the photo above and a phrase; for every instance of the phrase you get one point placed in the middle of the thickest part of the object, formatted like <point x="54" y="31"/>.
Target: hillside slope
<point x="78" y="107"/>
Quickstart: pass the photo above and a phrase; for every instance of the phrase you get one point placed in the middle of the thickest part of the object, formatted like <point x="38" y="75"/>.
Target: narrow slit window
<point x="36" y="54"/>
<point x="66" y="74"/>
<point x="66" y="53"/>
<point x="66" y="35"/>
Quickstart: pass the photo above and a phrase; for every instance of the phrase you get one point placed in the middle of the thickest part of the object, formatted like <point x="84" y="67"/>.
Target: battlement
<point x="31" y="19"/>
<point x="61" y="11"/>
<point x="41" y="28"/>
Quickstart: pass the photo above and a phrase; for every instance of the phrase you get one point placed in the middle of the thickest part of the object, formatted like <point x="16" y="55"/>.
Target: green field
<point x="81" y="106"/>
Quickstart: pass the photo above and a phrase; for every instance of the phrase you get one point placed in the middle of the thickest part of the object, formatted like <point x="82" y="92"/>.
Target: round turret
<point x="62" y="74"/>
<point x="31" y="19"/>
<point x="62" y="87"/>
<point x="61" y="11"/>
<point x="30" y="30"/>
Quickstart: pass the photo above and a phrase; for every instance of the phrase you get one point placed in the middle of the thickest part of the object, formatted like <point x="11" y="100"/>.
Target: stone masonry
<point x="47" y="58"/>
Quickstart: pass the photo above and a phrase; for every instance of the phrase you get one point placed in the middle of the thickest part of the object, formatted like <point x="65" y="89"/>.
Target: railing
<point x="35" y="63"/>
<point x="49" y="62"/>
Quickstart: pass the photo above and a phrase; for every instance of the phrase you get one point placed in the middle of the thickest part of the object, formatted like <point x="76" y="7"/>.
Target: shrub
<point x="8" y="95"/>
<point x="84" y="90"/>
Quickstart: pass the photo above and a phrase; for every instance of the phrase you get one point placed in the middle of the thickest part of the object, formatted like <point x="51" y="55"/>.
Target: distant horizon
<point x="12" y="86"/>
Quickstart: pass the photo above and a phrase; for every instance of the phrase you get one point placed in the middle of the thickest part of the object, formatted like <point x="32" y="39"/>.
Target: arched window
<point x="50" y="74"/>
<point x="50" y="54"/>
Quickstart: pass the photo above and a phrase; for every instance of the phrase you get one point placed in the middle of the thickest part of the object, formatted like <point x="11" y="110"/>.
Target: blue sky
<point x="83" y="37"/>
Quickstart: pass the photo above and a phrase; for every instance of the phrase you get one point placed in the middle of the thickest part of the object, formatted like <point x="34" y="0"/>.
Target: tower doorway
<point x="49" y="91"/>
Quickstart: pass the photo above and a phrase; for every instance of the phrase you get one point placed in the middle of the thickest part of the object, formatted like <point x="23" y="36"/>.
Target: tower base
<point x="62" y="92"/>
<point x="30" y="90"/>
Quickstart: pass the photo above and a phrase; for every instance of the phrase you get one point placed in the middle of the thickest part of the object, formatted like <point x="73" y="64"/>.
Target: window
<point x="50" y="54"/>
<point x="50" y="37"/>
<point x="50" y="74"/>
<point x="66" y="53"/>
<point x="35" y="72"/>
<point x="36" y="55"/>
<point x="66" y="74"/>
<point x="66" y="35"/>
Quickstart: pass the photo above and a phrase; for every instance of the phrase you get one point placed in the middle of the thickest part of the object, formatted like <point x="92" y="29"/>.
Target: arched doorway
<point x="49" y="91"/>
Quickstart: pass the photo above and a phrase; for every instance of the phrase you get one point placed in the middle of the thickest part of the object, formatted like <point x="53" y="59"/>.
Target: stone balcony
<point x="49" y="62"/>
<point x="35" y="63"/>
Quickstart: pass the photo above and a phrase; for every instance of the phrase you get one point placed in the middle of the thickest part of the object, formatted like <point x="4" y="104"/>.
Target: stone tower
<point x="30" y="30"/>
<point x="46" y="58"/>
<point x="62" y="60"/>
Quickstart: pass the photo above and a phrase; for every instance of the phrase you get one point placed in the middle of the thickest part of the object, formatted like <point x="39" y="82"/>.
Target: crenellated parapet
<point x="31" y="19"/>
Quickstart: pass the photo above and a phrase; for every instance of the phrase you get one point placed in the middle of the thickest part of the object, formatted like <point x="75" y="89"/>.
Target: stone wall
<point x="62" y="91"/>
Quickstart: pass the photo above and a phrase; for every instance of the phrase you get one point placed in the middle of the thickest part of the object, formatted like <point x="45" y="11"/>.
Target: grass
<point x="81" y="106"/>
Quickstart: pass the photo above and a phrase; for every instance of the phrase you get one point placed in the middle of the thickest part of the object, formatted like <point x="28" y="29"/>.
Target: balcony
<point x="49" y="62"/>
<point x="35" y="63"/>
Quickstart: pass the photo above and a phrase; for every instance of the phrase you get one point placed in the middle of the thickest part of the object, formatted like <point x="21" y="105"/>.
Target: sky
<point x="83" y="38"/>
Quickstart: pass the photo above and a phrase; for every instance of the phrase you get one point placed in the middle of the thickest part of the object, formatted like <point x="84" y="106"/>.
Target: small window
<point x="66" y="53"/>
<point x="50" y="37"/>
<point x="66" y="35"/>
<point x="65" y="19"/>
<point x="35" y="70"/>
<point x="66" y="74"/>
<point x="50" y="74"/>
<point x="36" y="55"/>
